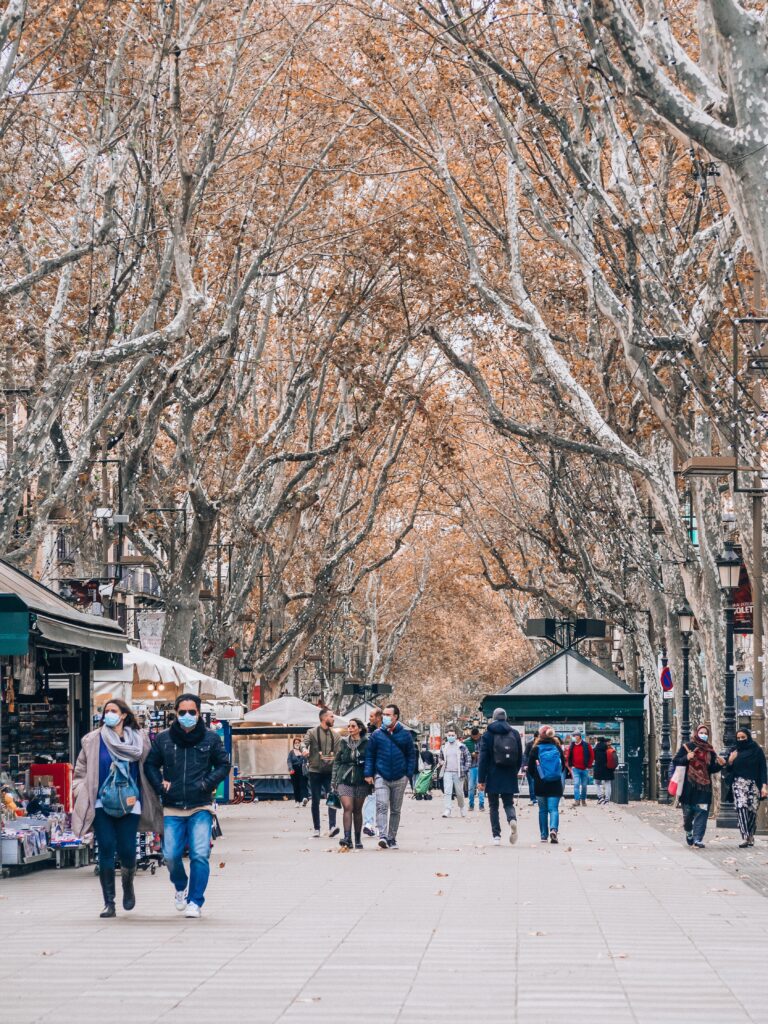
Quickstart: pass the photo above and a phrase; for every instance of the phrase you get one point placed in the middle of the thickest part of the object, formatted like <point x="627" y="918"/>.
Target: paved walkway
<point x="620" y="923"/>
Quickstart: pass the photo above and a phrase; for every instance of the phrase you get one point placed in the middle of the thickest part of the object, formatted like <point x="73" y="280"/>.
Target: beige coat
<point x="85" y="788"/>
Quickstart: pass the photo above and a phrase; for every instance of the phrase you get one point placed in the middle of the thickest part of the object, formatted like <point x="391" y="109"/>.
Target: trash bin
<point x="621" y="785"/>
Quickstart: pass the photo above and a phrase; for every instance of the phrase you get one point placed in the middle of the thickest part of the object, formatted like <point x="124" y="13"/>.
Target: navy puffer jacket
<point x="391" y="755"/>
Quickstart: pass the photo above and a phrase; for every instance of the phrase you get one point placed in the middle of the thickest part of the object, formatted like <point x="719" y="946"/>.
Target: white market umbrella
<point x="289" y="711"/>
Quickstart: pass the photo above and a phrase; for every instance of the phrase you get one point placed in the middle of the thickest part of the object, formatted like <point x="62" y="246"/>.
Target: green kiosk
<point x="568" y="692"/>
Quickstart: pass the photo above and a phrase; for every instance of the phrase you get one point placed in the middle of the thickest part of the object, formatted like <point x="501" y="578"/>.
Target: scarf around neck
<point x="187" y="739"/>
<point x="129" y="748"/>
<point x="698" y="768"/>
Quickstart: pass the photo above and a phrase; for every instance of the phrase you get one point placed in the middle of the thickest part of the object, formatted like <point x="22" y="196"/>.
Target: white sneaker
<point x="180" y="900"/>
<point x="446" y="814"/>
<point x="497" y="840"/>
<point x="463" y="812"/>
<point x="193" y="910"/>
<point x="513" y="831"/>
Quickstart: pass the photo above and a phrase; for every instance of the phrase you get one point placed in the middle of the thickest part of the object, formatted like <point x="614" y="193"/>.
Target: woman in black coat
<point x="701" y="763"/>
<point x="746" y="762"/>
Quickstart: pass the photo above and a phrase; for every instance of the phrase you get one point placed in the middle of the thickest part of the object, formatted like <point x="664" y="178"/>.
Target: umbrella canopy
<point x="289" y="711"/>
<point x="143" y="671"/>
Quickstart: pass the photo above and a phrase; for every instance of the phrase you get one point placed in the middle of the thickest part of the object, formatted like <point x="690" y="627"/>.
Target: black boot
<point x="107" y="879"/>
<point x="358" y="841"/>
<point x="129" y="896"/>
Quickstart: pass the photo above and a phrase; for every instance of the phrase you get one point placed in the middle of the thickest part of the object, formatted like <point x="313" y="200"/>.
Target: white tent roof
<point x="288" y="711"/>
<point x="362" y="711"/>
<point x="143" y="667"/>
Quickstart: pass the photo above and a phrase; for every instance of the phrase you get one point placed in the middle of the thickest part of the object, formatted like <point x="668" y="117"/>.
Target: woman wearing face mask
<point x="701" y="763"/>
<point x="750" y="783"/>
<point x="120" y="742"/>
<point x="348" y="780"/>
<point x="296" y="762"/>
<point x="454" y="762"/>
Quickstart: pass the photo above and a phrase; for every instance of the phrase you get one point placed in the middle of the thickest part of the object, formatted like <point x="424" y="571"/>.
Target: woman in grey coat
<point x="119" y="739"/>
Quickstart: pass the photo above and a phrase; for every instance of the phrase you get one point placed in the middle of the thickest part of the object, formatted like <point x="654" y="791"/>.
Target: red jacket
<point x="580" y="755"/>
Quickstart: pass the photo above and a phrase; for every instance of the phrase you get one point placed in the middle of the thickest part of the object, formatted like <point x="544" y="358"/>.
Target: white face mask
<point x="703" y="736"/>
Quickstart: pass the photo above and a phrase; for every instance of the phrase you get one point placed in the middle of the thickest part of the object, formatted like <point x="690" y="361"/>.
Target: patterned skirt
<point x="355" y="792"/>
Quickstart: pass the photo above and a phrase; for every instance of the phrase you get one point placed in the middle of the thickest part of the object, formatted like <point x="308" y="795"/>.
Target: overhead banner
<point x="742" y="604"/>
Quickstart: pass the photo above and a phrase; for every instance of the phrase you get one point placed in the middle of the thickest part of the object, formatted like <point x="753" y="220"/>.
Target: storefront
<point x="569" y="692"/>
<point x="48" y="653"/>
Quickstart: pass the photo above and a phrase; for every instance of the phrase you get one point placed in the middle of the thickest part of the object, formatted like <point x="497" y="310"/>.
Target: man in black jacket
<point x="184" y="766"/>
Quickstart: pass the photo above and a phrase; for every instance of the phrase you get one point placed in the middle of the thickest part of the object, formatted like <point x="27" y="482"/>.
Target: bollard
<point x="621" y="785"/>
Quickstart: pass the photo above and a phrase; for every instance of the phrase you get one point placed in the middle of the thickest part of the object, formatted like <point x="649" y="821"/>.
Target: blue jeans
<point x="473" y="789"/>
<point x="549" y="814"/>
<point x="116" y="836"/>
<point x="193" y="832"/>
<point x="580" y="779"/>
<point x="695" y="820"/>
<point x="531" y="788"/>
<point x="369" y="811"/>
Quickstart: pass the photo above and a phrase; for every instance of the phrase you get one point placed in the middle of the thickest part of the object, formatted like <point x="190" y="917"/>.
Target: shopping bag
<point x="675" y="787"/>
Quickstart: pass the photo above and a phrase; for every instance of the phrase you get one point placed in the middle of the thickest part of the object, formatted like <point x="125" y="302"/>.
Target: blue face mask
<point x="188" y="721"/>
<point x="386" y="721"/>
<point x="112" y="719"/>
<point x="451" y="739"/>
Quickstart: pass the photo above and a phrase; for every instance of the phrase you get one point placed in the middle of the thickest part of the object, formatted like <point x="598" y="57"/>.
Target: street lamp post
<point x="685" y="621"/>
<point x="729" y="569"/>
<point x="665" y="752"/>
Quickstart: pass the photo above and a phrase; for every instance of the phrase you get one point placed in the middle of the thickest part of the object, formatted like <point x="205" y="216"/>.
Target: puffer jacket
<point x="391" y="755"/>
<point x="349" y="764"/>
<point x="194" y="772"/>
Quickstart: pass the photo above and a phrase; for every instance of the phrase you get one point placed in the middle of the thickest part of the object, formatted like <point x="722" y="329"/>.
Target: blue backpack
<point x="119" y="793"/>
<point x="550" y="766"/>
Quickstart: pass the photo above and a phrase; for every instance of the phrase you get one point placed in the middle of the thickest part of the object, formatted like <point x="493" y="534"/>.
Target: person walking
<point x="547" y="762"/>
<point x="185" y="765"/>
<point x="499" y="760"/>
<point x="369" y="807"/>
<point x="473" y="746"/>
<point x="605" y="764"/>
<point x="115" y="753"/>
<point x="530" y="778"/>
<point x="746" y="762"/>
<point x="297" y="760"/>
<point x="454" y="762"/>
<point x="321" y="743"/>
<point x="390" y="760"/>
<point x="348" y="780"/>
<point x="701" y="763"/>
<point x="580" y="759"/>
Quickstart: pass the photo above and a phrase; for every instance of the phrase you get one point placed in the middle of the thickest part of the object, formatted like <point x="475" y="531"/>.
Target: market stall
<point x="261" y="741"/>
<point x="48" y="653"/>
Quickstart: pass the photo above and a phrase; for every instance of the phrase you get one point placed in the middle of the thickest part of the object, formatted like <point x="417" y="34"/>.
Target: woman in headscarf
<point x="750" y="783"/>
<point x="700" y="761"/>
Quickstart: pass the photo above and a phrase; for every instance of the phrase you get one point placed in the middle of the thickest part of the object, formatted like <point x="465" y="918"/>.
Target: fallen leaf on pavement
<point x="441" y="874"/>
<point x="617" y="885"/>
<point x="222" y="863"/>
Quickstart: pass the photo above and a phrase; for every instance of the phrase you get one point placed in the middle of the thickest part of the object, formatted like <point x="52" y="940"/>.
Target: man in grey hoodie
<point x="501" y="754"/>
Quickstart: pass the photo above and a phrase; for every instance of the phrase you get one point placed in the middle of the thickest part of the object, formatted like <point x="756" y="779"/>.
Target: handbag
<point x="119" y="793"/>
<point x="675" y="787"/>
<point x="333" y="801"/>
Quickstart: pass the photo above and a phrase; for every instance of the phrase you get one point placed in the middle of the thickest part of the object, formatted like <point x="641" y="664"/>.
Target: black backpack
<point x="506" y="751"/>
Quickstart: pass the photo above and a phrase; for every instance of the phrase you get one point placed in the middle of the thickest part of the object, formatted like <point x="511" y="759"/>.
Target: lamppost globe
<point x="685" y="618"/>
<point x="729" y="568"/>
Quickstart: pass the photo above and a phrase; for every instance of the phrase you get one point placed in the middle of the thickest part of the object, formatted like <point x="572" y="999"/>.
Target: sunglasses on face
<point x="188" y="711"/>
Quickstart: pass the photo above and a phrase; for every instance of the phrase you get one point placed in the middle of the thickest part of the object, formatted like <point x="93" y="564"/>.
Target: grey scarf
<point x="129" y="748"/>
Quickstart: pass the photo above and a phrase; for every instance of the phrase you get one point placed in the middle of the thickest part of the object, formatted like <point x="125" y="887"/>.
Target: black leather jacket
<point x="193" y="771"/>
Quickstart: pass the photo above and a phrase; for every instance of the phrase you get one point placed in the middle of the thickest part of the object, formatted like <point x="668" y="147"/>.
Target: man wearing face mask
<point x="186" y="764"/>
<point x="454" y="761"/>
<point x="390" y="760"/>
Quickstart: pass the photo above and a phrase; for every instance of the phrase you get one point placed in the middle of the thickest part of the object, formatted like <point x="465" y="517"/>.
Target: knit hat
<point x="499" y="715"/>
<point x="546" y="730"/>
